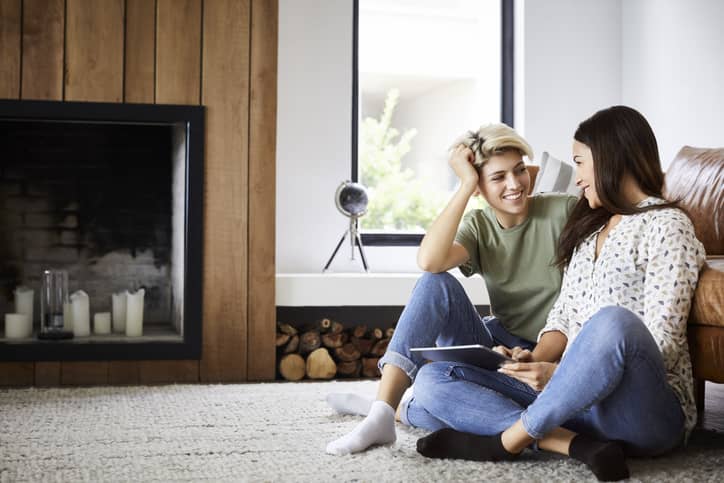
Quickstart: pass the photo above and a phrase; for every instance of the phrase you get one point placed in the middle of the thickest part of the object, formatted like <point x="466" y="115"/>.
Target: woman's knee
<point x="614" y="323"/>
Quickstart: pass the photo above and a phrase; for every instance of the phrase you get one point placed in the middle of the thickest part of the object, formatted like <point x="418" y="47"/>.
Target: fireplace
<point x="113" y="194"/>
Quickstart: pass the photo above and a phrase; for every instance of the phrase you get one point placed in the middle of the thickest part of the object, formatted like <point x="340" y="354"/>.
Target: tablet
<point x="477" y="355"/>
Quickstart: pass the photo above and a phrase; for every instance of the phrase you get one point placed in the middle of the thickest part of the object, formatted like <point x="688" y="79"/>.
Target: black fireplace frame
<point x="193" y="116"/>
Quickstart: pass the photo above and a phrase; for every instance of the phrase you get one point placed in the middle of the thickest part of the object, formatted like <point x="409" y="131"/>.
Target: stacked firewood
<point x="326" y="350"/>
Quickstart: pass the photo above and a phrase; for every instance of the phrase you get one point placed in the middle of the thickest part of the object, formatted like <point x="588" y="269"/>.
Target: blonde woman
<point x="511" y="243"/>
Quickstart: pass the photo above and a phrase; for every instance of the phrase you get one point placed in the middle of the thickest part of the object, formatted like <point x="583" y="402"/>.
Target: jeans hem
<point x="526" y="425"/>
<point x="399" y="360"/>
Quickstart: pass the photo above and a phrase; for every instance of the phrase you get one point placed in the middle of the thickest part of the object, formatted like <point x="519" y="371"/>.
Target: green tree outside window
<point x="399" y="200"/>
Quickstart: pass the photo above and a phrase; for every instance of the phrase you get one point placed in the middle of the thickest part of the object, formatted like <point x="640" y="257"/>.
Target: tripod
<point x="354" y="237"/>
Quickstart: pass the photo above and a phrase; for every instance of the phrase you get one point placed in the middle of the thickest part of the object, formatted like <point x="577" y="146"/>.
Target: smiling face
<point x="504" y="182"/>
<point x="585" y="177"/>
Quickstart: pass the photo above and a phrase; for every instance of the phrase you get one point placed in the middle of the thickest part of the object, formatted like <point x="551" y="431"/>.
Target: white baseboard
<point x="341" y="289"/>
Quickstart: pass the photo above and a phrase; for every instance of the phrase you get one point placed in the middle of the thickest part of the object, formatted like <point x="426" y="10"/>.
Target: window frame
<point x="506" y="110"/>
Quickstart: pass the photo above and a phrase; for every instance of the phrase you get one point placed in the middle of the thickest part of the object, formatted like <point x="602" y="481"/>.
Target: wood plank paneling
<point x="84" y="373"/>
<point x="12" y="373"/>
<point x="47" y="373"/>
<point x="140" y="65"/>
<point x="43" y="37"/>
<point x="262" y="193"/>
<point x="43" y="46"/>
<point x="226" y="97"/>
<point x="139" y="86"/>
<point x="16" y="373"/>
<point x="10" y="49"/>
<point x="94" y="50"/>
<point x="124" y="372"/>
<point x="178" y="80"/>
<point x="94" y="72"/>
<point x="161" y="372"/>
<point x="178" y="51"/>
<point x="162" y="63"/>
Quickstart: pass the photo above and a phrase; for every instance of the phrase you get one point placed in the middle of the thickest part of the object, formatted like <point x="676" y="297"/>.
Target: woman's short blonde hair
<point x="493" y="139"/>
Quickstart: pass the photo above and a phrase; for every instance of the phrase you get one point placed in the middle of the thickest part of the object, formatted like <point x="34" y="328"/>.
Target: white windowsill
<point x="342" y="289"/>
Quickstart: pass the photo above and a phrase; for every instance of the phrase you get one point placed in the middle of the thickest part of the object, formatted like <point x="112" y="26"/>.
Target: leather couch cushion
<point x="708" y="304"/>
<point x="696" y="177"/>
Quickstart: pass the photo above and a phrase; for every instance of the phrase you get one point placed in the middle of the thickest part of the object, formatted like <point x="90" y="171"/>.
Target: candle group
<point x="126" y="316"/>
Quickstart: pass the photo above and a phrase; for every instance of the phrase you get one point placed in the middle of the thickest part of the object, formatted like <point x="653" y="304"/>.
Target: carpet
<point x="254" y="432"/>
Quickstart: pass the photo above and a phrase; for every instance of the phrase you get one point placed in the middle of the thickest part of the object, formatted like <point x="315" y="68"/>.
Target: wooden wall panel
<point x="43" y="46"/>
<point x="140" y="62"/>
<point x="43" y="38"/>
<point x="94" y="72"/>
<point x="12" y="373"/>
<point x="124" y="372"/>
<point x="162" y="40"/>
<point x="226" y="97"/>
<point x="178" y="51"/>
<point x="84" y="373"/>
<point x="47" y="373"/>
<point x="139" y="85"/>
<point x="16" y="373"/>
<point x="160" y="372"/>
<point x="262" y="193"/>
<point x="10" y="49"/>
<point x="94" y="50"/>
<point x="178" y="80"/>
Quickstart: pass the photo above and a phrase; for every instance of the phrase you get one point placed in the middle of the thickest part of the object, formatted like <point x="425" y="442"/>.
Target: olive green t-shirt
<point x="517" y="263"/>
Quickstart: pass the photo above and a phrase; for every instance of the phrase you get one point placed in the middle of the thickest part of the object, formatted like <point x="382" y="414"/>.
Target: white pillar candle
<point x="18" y="326"/>
<point x="81" y="313"/>
<point x="24" y="302"/>
<point x="134" y="314"/>
<point x="102" y="323"/>
<point x="119" y="311"/>
<point x="68" y="317"/>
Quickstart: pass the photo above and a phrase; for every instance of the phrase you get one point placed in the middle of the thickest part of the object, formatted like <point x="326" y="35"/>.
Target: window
<point x="424" y="72"/>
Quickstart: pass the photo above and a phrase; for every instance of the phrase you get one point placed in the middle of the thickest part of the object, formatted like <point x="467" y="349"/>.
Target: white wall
<point x="314" y="139"/>
<point x="673" y="70"/>
<point x="573" y="63"/>
<point x="571" y="59"/>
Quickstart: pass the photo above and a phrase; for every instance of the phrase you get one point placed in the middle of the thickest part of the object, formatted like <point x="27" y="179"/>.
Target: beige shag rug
<point x="254" y="432"/>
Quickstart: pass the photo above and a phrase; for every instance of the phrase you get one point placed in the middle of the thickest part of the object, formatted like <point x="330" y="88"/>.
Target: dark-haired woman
<point x="623" y="385"/>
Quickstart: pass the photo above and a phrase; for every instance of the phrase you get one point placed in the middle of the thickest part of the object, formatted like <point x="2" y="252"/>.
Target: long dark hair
<point x="622" y="143"/>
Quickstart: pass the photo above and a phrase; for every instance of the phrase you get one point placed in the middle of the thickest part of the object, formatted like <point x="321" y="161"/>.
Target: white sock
<point x="350" y="403"/>
<point x="377" y="428"/>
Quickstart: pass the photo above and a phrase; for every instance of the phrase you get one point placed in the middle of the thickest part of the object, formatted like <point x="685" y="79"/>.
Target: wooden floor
<point x="714" y="407"/>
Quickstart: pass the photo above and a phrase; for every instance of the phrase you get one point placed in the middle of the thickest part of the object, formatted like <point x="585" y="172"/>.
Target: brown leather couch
<point x="696" y="177"/>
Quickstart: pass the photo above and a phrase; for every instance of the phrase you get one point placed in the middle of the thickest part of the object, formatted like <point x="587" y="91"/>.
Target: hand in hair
<point x="461" y="162"/>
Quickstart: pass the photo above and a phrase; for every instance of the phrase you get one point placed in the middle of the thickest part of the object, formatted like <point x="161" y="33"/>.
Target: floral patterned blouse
<point x="650" y="265"/>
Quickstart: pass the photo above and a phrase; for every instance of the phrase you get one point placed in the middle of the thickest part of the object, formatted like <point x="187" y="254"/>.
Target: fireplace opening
<point x="111" y="193"/>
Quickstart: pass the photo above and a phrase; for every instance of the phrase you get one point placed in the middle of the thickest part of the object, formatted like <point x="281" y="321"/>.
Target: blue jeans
<point x="440" y="313"/>
<point x="611" y="384"/>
